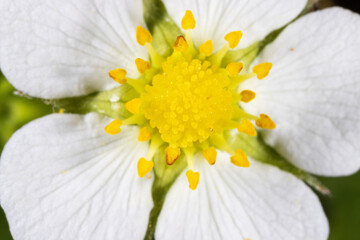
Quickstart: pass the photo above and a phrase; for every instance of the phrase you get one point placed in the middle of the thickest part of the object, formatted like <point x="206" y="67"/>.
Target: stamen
<point x="193" y="178"/>
<point x="119" y="75"/>
<point x="133" y="105"/>
<point x="234" y="68"/>
<point x="240" y="159"/>
<point x="137" y="84"/>
<point x="143" y="36"/>
<point x="114" y="127"/>
<point x="265" y="122"/>
<point x="233" y="38"/>
<point x="217" y="58"/>
<point x="246" y="127"/>
<point x="142" y="65"/>
<point x="188" y="21"/>
<point x="189" y="154"/>
<point x="220" y="143"/>
<point x="181" y="45"/>
<point x="206" y="48"/>
<point x="155" y="144"/>
<point x="247" y="95"/>
<point x="240" y="79"/>
<point x="144" y="135"/>
<point x="240" y="114"/>
<point x="144" y="167"/>
<point x="172" y="154"/>
<point x="136" y="119"/>
<point x="262" y="70"/>
<point x="210" y="155"/>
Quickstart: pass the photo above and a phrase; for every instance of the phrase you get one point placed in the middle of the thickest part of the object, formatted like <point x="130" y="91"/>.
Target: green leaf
<point x="109" y="103"/>
<point x="248" y="55"/>
<point x="163" y="29"/>
<point x="257" y="149"/>
<point x="165" y="177"/>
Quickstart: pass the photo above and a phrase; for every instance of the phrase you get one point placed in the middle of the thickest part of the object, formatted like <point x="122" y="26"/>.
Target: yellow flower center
<point x="189" y="99"/>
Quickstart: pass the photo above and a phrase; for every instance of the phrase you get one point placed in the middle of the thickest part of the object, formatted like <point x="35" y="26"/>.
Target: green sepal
<point x="248" y="55"/>
<point x="257" y="149"/>
<point x="109" y="103"/>
<point x="162" y="27"/>
<point x="165" y="177"/>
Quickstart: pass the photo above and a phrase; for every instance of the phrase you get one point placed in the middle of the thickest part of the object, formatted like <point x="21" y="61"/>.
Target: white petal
<point x="313" y="92"/>
<point x="54" y="49"/>
<point x="257" y="203"/>
<point x="62" y="177"/>
<point x="216" y="18"/>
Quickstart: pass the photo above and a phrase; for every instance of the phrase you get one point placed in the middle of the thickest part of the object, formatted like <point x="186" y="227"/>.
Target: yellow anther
<point x="145" y="134"/>
<point x="246" y="127"/>
<point x="142" y="65"/>
<point x="233" y="38"/>
<point x="114" y="127"/>
<point x="188" y="21"/>
<point x="143" y="36"/>
<point x="234" y="68"/>
<point x="193" y="178"/>
<point x="133" y="105"/>
<point x="172" y="154"/>
<point x="262" y="70"/>
<point x="144" y="167"/>
<point x="61" y="110"/>
<point x="206" y="48"/>
<point x="240" y="159"/>
<point x="247" y="96"/>
<point x="119" y="75"/>
<point x="210" y="155"/>
<point x="265" y="122"/>
<point x="181" y="45"/>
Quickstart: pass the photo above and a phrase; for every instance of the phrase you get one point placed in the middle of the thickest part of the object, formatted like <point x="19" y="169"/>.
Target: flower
<point x="64" y="177"/>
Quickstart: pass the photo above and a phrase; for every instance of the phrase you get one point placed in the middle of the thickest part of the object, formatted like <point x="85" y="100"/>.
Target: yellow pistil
<point x="265" y="122"/>
<point x="143" y="36"/>
<point x="206" y="48"/>
<point x="234" y="68"/>
<point x="133" y="105"/>
<point x="188" y="102"/>
<point x="188" y="21"/>
<point x="193" y="178"/>
<point x="172" y="154"/>
<point x="240" y="159"/>
<point x="114" y="127"/>
<point x="144" y="167"/>
<point x="144" y="135"/>
<point x="181" y="45"/>
<point x="246" y="127"/>
<point x="262" y="70"/>
<point x="247" y="95"/>
<point x="142" y="65"/>
<point x="210" y="155"/>
<point x="119" y="75"/>
<point x="233" y="38"/>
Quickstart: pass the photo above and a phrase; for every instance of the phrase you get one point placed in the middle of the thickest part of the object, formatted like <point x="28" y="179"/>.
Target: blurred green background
<point x="342" y="208"/>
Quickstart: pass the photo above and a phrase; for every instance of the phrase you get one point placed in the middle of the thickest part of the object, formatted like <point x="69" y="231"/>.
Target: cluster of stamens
<point x="188" y="100"/>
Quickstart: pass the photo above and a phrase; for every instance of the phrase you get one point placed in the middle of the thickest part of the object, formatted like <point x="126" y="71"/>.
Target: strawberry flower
<point x="178" y="119"/>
